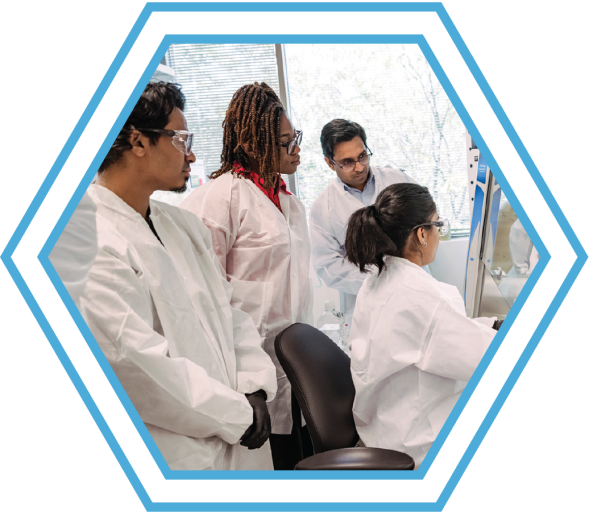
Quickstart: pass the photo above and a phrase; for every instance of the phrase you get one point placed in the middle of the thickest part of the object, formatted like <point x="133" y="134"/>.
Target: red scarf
<point x="271" y="194"/>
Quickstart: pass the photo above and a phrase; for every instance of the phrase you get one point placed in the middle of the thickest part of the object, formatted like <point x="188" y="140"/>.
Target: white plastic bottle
<point x="331" y="322"/>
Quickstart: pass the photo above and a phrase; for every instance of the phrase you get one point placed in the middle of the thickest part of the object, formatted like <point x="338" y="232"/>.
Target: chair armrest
<point x="358" y="458"/>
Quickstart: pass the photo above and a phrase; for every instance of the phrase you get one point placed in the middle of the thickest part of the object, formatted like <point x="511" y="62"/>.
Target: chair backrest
<point x="319" y="372"/>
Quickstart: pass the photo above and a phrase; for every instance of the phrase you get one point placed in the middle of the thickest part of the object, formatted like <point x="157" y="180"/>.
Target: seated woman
<point x="413" y="348"/>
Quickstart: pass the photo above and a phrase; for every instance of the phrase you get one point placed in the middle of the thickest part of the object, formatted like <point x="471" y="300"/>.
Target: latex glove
<point x="255" y="435"/>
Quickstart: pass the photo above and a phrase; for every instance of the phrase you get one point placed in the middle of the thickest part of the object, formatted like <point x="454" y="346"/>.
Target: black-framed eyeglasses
<point x="349" y="164"/>
<point x="181" y="139"/>
<point x="290" y="145"/>
<point x="443" y="226"/>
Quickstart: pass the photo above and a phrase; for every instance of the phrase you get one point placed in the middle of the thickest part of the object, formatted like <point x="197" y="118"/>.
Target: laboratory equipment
<point x="332" y="323"/>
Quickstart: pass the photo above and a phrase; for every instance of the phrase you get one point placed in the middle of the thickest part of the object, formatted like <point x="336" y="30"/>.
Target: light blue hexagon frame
<point x="78" y="382"/>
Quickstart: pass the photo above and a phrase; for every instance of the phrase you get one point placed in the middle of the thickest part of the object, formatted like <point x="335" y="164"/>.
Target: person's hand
<point x="257" y="434"/>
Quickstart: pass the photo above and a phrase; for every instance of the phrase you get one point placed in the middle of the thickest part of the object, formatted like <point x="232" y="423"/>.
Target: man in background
<point x="356" y="185"/>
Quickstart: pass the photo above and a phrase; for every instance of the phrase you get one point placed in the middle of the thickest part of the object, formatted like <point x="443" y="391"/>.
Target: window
<point x="389" y="89"/>
<point x="393" y="93"/>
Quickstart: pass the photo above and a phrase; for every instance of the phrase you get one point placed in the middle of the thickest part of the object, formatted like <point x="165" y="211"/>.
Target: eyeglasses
<point x="349" y="164"/>
<point x="443" y="226"/>
<point x="181" y="139"/>
<point x="290" y="145"/>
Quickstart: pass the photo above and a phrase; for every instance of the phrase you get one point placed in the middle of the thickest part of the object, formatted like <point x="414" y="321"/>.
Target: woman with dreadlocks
<point x="260" y="234"/>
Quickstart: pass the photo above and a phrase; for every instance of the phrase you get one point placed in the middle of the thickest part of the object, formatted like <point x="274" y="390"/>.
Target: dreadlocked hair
<point x="253" y="118"/>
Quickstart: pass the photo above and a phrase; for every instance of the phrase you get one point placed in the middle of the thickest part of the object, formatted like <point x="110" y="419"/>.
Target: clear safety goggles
<point x="443" y="226"/>
<point x="350" y="165"/>
<point x="181" y="139"/>
<point x="290" y="145"/>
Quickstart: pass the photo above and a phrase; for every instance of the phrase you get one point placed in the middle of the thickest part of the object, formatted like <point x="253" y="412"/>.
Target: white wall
<point x="450" y="263"/>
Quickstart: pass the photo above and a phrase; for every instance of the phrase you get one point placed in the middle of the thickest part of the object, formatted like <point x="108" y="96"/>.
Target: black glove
<point x="259" y="431"/>
<point x="497" y="324"/>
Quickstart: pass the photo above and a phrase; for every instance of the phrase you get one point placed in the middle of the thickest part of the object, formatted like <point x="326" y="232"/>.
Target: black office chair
<point x="319" y="372"/>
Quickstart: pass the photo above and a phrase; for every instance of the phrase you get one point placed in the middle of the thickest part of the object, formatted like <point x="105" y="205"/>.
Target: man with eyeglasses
<point x="159" y="307"/>
<point x="357" y="184"/>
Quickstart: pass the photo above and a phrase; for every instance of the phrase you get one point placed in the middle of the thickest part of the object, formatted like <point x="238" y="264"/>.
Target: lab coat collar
<point x="400" y="261"/>
<point x="273" y="193"/>
<point x="113" y="202"/>
<point x="117" y="204"/>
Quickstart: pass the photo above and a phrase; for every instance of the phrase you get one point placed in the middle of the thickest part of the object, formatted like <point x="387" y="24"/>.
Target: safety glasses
<point x="349" y="164"/>
<point x="443" y="226"/>
<point x="181" y="139"/>
<point x="290" y="145"/>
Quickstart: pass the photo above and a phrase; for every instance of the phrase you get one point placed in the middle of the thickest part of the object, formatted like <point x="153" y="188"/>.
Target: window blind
<point x="393" y="93"/>
<point x="210" y="75"/>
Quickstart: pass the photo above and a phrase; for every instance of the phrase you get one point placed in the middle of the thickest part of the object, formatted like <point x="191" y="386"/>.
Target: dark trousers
<point x="288" y="450"/>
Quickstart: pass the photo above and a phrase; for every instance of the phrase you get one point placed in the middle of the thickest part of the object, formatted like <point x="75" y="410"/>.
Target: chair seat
<point x="358" y="458"/>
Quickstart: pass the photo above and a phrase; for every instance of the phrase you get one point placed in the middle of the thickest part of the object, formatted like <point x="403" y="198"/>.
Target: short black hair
<point x="337" y="131"/>
<point x="152" y="110"/>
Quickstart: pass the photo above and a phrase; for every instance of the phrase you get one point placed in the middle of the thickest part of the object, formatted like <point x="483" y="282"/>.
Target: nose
<point x="296" y="150"/>
<point x="190" y="158"/>
<point x="356" y="164"/>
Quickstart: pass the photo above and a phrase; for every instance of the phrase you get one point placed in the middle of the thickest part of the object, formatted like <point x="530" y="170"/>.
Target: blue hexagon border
<point x="309" y="7"/>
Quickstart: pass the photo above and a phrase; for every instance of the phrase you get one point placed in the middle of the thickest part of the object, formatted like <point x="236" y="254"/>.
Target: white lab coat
<point x="73" y="254"/>
<point x="266" y="256"/>
<point x="328" y="222"/>
<point x="162" y="317"/>
<point x="413" y="350"/>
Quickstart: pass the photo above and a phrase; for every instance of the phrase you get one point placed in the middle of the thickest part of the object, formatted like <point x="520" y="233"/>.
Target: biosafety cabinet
<point x="501" y="256"/>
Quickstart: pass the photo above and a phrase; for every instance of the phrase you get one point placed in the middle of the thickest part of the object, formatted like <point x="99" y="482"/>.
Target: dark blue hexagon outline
<point x="43" y="256"/>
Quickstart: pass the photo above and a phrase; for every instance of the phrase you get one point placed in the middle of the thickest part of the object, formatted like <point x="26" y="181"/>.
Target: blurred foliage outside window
<point x="393" y="93"/>
<point x="389" y="89"/>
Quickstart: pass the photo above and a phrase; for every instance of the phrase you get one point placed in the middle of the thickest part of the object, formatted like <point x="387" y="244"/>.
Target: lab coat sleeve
<point x="453" y="345"/>
<point x="255" y="369"/>
<point x="486" y="321"/>
<point x="212" y="206"/>
<point x="328" y="255"/>
<point x="175" y="394"/>
<point x="74" y="252"/>
<point x="222" y="241"/>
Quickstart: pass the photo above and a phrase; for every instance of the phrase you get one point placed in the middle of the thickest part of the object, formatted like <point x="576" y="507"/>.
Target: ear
<point x="138" y="142"/>
<point x="420" y="235"/>
<point x="329" y="163"/>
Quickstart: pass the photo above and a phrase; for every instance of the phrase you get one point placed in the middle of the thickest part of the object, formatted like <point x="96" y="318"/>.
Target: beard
<point x="180" y="190"/>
